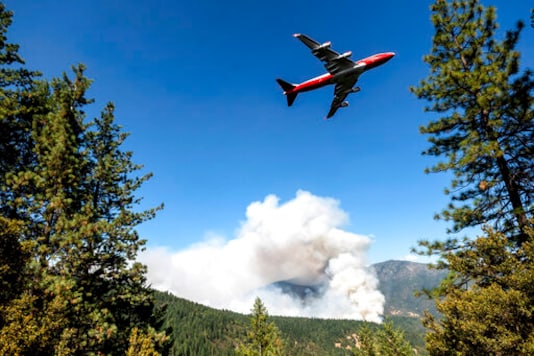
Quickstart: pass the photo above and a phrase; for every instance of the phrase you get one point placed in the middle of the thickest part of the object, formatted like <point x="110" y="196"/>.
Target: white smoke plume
<point x="294" y="256"/>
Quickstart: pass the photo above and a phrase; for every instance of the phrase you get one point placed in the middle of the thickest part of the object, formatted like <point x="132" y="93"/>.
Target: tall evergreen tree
<point x="264" y="338"/>
<point x="485" y="128"/>
<point x="486" y="132"/>
<point x="17" y="99"/>
<point x="393" y="342"/>
<point x="386" y="341"/>
<point x="19" y="103"/>
<point x="67" y="200"/>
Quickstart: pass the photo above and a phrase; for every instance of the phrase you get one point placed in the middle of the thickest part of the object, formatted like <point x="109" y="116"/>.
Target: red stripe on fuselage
<point x="327" y="78"/>
<point x="313" y="83"/>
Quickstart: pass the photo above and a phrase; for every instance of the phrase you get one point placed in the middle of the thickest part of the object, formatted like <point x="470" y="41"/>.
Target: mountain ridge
<point x="398" y="282"/>
<point x="196" y="329"/>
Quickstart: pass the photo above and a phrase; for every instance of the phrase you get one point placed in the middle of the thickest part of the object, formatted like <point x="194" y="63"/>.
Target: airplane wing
<point x="340" y="93"/>
<point x="333" y="61"/>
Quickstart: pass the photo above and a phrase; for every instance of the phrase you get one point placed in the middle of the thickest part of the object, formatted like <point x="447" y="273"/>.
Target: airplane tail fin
<point x="287" y="87"/>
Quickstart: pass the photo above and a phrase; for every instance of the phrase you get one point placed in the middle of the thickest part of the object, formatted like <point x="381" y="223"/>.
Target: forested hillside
<point x="199" y="330"/>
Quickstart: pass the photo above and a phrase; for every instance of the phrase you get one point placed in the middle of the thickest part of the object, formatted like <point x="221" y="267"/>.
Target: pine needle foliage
<point x="485" y="132"/>
<point x="264" y="338"/>
<point x="487" y="304"/>
<point x="485" y="124"/>
<point x="68" y="216"/>
<point x="386" y="340"/>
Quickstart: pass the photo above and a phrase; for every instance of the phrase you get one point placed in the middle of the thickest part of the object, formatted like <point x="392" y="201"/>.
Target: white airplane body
<point x="342" y="71"/>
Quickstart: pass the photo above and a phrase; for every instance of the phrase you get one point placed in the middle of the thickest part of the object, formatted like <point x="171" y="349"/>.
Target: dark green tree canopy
<point x="68" y="217"/>
<point x="263" y="337"/>
<point x="387" y="340"/>
<point x="485" y="132"/>
<point x="19" y="103"/>
<point x="485" y="128"/>
<point x="487" y="303"/>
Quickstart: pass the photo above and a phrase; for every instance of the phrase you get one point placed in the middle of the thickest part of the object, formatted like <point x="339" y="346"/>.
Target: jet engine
<point x="352" y="90"/>
<point x="342" y="56"/>
<point x="344" y="104"/>
<point x="323" y="46"/>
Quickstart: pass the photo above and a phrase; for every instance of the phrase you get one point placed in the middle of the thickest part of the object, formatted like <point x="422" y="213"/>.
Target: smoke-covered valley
<point x="295" y="256"/>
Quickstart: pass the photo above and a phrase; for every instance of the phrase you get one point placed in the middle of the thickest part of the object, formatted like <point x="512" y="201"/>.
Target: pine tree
<point x="19" y="103"/>
<point x="68" y="207"/>
<point x="393" y="342"/>
<point x="17" y="99"/>
<point x="486" y="124"/>
<point x="365" y="342"/>
<point x="488" y="304"/>
<point x="486" y="132"/>
<point x="386" y="341"/>
<point x="263" y="337"/>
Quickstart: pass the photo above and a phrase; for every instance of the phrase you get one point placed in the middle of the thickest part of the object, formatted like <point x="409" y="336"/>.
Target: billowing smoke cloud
<point x="294" y="256"/>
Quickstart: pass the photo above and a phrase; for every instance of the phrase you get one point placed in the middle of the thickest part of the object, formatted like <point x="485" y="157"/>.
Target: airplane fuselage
<point x="342" y="71"/>
<point x="359" y="67"/>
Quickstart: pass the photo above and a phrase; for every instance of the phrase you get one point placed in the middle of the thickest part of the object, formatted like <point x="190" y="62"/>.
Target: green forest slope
<point x="200" y="330"/>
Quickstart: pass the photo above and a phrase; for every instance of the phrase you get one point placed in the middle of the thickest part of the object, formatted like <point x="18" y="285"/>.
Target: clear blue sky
<point x="193" y="82"/>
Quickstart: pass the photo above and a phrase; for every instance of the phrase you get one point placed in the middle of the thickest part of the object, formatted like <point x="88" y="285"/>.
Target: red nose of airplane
<point x="382" y="58"/>
<point x="378" y="59"/>
<point x="389" y="55"/>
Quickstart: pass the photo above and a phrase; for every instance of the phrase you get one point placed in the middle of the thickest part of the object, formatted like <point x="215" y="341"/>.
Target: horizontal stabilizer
<point x="288" y="87"/>
<point x="285" y="85"/>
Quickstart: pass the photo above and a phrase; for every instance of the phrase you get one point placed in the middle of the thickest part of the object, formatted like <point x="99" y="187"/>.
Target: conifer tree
<point x="488" y="304"/>
<point x="386" y="341"/>
<point x="485" y="128"/>
<point x="393" y="342"/>
<point x="364" y="342"/>
<point x="17" y="99"/>
<point x="264" y="338"/>
<point x="67" y="202"/>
